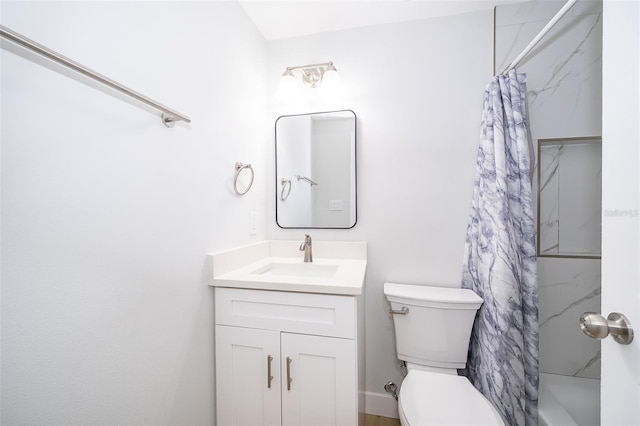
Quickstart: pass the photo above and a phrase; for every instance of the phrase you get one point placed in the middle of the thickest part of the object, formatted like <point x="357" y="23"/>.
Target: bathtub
<point x="568" y="401"/>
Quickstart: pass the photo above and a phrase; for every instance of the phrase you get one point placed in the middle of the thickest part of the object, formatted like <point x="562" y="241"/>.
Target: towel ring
<point x="239" y="168"/>
<point x="286" y="185"/>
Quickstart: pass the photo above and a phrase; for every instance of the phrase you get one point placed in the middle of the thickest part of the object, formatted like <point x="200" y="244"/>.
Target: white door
<point x="247" y="376"/>
<point x="318" y="381"/>
<point x="620" y="386"/>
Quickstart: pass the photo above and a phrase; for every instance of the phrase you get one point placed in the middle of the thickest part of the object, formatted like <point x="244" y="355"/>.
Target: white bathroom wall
<point x="564" y="82"/>
<point x="107" y="216"/>
<point x="417" y="90"/>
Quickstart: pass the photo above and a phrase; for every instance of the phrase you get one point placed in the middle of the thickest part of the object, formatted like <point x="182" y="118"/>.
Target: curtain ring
<point x="239" y="168"/>
<point x="286" y="184"/>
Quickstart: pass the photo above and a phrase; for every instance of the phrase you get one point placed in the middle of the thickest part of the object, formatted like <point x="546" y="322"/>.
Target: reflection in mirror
<point x="316" y="170"/>
<point x="569" y="197"/>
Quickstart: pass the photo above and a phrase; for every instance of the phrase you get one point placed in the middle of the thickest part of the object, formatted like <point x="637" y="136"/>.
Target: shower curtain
<point x="500" y="257"/>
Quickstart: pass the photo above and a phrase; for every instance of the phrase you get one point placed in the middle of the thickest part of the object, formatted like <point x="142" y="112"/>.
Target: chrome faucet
<point x="306" y="247"/>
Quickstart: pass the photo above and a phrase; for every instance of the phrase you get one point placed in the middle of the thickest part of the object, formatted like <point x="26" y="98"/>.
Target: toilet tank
<point x="436" y="329"/>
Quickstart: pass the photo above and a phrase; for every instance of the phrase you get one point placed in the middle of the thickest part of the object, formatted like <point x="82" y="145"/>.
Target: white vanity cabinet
<point x="285" y="358"/>
<point x="244" y="395"/>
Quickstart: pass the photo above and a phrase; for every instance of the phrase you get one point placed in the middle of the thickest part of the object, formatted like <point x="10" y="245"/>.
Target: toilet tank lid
<point x="433" y="294"/>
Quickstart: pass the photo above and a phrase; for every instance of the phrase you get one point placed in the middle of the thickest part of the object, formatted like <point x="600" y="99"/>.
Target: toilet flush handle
<point x="403" y="311"/>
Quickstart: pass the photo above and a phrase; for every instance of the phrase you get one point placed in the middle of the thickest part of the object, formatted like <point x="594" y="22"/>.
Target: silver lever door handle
<point x="403" y="311"/>
<point x="596" y="326"/>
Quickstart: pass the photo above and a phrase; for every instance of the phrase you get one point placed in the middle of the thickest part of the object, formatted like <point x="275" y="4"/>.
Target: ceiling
<point x="294" y="18"/>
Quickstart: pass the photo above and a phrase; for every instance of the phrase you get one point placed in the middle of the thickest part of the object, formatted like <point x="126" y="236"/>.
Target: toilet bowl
<point x="428" y="398"/>
<point x="432" y="327"/>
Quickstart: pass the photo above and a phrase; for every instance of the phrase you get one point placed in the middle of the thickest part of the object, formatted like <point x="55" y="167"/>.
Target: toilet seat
<point x="428" y="398"/>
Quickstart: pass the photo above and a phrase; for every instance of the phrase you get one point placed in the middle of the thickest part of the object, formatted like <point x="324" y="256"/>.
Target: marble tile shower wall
<point x="570" y="224"/>
<point x="565" y="101"/>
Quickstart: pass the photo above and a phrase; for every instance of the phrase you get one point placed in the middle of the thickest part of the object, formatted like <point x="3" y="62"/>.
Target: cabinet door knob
<point x="289" y="379"/>
<point x="269" y="376"/>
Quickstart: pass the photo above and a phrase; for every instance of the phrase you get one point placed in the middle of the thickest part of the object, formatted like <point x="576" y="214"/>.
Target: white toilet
<point x="433" y="327"/>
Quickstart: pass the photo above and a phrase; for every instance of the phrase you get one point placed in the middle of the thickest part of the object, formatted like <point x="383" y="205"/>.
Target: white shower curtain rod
<point x="541" y="34"/>
<point x="168" y="116"/>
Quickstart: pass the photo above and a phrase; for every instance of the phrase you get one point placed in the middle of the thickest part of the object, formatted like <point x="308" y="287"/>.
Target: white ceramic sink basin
<point x="297" y="270"/>
<point x="338" y="267"/>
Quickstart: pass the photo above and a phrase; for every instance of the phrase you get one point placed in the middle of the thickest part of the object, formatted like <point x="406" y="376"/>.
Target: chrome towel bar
<point x="168" y="115"/>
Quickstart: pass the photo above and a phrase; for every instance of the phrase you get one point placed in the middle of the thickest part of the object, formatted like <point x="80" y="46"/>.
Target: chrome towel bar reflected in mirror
<point x="306" y="179"/>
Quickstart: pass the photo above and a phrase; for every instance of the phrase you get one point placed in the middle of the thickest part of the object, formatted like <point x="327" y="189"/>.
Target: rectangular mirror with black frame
<point x="316" y="170"/>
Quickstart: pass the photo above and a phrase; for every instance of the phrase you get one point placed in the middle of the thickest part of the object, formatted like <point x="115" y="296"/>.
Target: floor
<point x="372" y="420"/>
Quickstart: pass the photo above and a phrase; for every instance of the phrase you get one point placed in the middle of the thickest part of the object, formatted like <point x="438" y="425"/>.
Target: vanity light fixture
<point x="323" y="76"/>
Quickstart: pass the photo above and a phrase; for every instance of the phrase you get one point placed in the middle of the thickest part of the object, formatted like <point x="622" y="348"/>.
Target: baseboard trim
<point x="381" y="404"/>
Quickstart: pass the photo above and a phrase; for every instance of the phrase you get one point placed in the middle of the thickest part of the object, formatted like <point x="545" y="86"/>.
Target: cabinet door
<point x="245" y="394"/>
<point x="319" y="380"/>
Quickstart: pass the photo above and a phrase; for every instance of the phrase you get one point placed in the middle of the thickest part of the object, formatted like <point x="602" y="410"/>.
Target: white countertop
<point x="242" y="267"/>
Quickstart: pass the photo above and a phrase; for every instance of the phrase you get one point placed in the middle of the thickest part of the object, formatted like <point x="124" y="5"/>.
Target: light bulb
<point x="331" y="86"/>
<point x="287" y="90"/>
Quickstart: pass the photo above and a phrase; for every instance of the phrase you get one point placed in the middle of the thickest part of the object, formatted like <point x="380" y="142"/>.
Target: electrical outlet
<point x="335" y="205"/>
